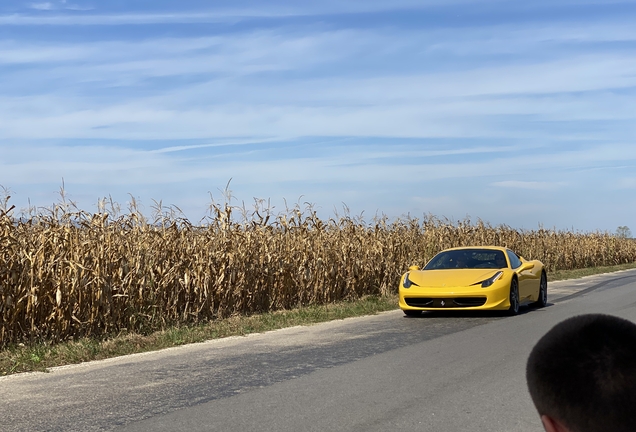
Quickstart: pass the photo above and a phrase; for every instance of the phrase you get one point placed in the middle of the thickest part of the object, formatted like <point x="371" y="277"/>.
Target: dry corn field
<point x="70" y="274"/>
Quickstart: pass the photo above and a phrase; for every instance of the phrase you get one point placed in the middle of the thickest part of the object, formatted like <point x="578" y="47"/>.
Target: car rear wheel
<point x="543" y="292"/>
<point x="412" y="313"/>
<point x="514" y="298"/>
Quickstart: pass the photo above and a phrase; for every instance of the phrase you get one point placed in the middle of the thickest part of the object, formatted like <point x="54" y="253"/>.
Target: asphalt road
<point x="441" y="372"/>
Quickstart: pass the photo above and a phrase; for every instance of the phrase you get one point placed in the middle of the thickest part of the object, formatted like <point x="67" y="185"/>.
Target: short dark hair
<point x="583" y="374"/>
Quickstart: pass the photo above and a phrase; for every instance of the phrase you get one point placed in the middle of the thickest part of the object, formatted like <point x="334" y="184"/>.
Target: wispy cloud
<point x="221" y="13"/>
<point x="626" y="183"/>
<point x="238" y="88"/>
<point x="219" y="143"/>
<point x="533" y="185"/>
<point x="42" y="6"/>
<point x="75" y="7"/>
<point x="59" y="5"/>
<point x="123" y="19"/>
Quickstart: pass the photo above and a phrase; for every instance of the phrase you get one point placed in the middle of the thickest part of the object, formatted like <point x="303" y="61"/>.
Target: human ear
<point x="552" y="425"/>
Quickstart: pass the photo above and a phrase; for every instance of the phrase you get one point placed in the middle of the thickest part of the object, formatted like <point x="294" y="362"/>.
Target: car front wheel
<point x="514" y="298"/>
<point x="543" y="292"/>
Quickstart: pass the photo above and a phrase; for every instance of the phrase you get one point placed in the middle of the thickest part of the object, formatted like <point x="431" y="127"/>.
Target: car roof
<point x="499" y="248"/>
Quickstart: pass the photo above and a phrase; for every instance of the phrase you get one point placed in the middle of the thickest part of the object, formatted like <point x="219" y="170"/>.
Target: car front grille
<point x="441" y="303"/>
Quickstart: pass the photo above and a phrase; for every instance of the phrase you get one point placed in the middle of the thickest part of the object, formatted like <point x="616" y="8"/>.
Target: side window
<point x="515" y="262"/>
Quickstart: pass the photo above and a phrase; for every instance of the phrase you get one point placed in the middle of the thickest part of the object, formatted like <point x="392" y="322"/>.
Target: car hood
<point x="450" y="278"/>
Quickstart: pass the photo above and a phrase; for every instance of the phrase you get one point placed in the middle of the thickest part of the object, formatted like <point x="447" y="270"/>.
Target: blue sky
<point x="520" y="113"/>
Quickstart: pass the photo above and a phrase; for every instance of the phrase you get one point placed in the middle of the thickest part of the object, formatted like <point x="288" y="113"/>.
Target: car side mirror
<point x="525" y="266"/>
<point x="413" y="268"/>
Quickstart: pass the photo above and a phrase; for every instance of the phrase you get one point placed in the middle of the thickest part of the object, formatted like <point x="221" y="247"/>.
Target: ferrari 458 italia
<point x="474" y="278"/>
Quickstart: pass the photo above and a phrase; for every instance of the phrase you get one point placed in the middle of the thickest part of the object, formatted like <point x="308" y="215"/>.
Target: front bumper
<point x="495" y="297"/>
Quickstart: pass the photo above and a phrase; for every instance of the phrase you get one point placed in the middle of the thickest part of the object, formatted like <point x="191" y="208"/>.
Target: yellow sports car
<point x="474" y="278"/>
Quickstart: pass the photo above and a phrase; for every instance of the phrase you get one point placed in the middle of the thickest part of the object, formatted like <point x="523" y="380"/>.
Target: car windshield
<point x="468" y="259"/>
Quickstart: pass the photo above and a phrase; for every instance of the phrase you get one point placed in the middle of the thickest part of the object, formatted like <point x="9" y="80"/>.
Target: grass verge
<point x="579" y="273"/>
<point x="39" y="357"/>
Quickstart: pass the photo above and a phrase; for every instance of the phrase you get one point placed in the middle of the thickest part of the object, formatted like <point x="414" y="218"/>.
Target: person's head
<point x="582" y="375"/>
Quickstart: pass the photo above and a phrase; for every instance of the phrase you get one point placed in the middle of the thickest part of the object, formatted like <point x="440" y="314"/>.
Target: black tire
<point x="514" y="297"/>
<point x="543" y="292"/>
<point x="412" y="313"/>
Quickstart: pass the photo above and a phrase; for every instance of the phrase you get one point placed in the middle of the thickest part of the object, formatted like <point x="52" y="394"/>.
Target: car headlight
<point x="491" y="280"/>
<point x="407" y="282"/>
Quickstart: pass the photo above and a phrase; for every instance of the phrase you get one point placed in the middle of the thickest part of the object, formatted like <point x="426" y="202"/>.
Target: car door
<point x="526" y="277"/>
